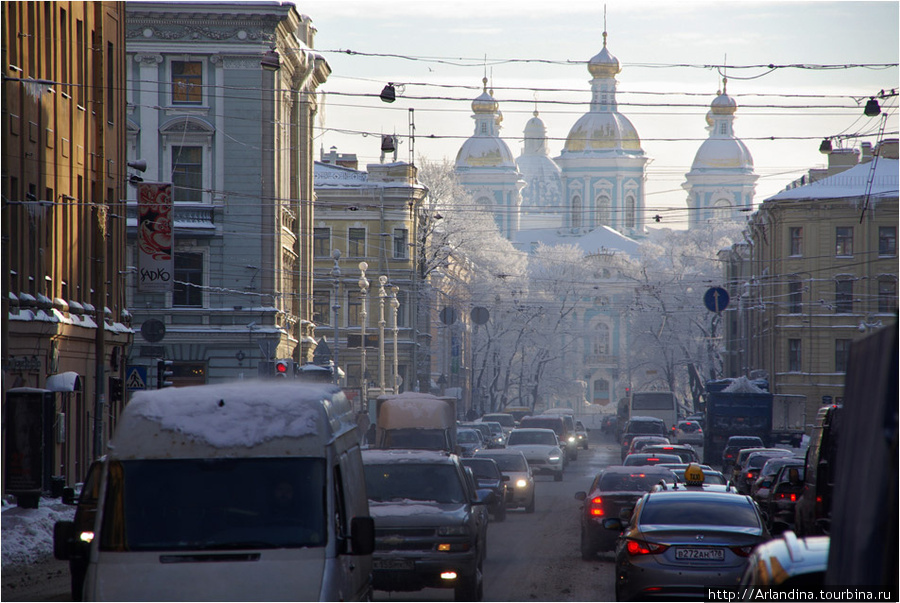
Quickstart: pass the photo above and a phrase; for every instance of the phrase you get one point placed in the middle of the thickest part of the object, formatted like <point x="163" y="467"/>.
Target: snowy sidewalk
<point x="27" y="534"/>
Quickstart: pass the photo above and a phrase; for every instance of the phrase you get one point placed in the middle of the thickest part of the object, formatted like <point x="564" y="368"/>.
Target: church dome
<point x="535" y="127"/>
<point x="602" y="132"/>
<point x="604" y="64"/>
<point x="485" y="102"/>
<point x="723" y="105"/>
<point x="723" y="153"/>
<point x="480" y="151"/>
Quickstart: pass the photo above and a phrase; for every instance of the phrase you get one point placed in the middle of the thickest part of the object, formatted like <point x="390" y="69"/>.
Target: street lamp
<point x="336" y="275"/>
<point x="364" y="318"/>
<point x="395" y="305"/>
<point x="382" y="281"/>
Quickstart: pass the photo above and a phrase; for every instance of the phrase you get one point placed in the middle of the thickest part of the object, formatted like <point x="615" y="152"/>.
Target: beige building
<point x="370" y="216"/>
<point x="818" y="270"/>
<point x="66" y="329"/>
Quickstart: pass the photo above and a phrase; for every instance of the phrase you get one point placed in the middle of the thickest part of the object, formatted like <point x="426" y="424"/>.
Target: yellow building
<point x="820" y="272"/>
<point x="63" y="185"/>
<point x="373" y="217"/>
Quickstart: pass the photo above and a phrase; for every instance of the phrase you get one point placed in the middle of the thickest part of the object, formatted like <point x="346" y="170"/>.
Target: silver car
<point x="679" y="543"/>
<point x="541" y="448"/>
<point x="520" y="488"/>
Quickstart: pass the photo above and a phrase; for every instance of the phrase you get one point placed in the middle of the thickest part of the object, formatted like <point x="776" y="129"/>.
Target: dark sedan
<point x="487" y="476"/>
<point x="612" y="489"/>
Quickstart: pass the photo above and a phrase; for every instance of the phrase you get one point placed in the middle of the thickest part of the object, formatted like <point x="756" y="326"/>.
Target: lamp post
<point x="395" y="305"/>
<point x="382" y="281"/>
<point x="336" y="275"/>
<point x="364" y="318"/>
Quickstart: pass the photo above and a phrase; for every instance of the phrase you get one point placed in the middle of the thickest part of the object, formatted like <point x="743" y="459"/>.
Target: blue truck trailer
<point x="735" y="407"/>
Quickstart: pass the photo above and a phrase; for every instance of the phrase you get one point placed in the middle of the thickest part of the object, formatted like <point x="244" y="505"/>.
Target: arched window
<point x="601" y="392"/>
<point x="630" y="212"/>
<point x="601" y="340"/>
<point x="576" y="211"/>
<point x="603" y="210"/>
<point x="722" y="210"/>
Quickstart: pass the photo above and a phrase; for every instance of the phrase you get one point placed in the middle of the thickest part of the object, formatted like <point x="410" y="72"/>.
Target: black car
<point x="613" y="488"/>
<point x="733" y="446"/>
<point x="642" y="426"/>
<point x="487" y="476"/>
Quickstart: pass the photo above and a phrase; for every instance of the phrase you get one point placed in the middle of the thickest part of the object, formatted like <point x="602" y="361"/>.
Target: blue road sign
<point x="136" y="377"/>
<point x="716" y="299"/>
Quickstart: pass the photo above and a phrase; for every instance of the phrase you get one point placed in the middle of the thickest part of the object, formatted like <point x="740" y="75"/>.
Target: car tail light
<point x="749" y="475"/>
<point x="651" y="459"/>
<point x="596" y="507"/>
<point x="784" y="495"/>
<point x="742" y="551"/>
<point x="638" y="547"/>
<point x="729" y="456"/>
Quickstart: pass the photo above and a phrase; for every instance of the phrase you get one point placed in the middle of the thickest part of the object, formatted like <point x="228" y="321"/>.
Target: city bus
<point x="662" y="405"/>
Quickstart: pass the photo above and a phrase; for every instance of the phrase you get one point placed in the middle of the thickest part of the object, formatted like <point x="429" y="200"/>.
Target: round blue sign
<point x="716" y="299"/>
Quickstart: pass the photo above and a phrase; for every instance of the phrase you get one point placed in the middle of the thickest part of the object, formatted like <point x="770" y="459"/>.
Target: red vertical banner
<point x="156" y="259"/>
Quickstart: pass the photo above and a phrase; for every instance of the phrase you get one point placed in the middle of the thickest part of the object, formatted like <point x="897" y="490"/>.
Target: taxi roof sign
<point x="693" y="475"/>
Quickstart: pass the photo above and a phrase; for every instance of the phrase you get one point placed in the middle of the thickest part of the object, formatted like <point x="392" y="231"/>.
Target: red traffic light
<point x="281" y="367"/>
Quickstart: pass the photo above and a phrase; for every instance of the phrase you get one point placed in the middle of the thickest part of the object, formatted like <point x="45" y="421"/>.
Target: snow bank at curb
<point x="27" y="534"/>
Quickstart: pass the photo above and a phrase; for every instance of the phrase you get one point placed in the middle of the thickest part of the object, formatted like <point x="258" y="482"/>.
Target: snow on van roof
<point x="235" y="414"/>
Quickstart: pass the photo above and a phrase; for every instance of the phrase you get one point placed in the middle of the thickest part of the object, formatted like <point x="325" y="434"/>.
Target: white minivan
<point x="249" y="491"/>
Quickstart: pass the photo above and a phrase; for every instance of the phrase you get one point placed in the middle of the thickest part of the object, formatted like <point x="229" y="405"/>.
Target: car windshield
<point x="692" y="510"/>
<point x="554" y="424"/>
<point x="511" y="462"/>
<point x="531" y="437"/>
<point x="414" y="481"/>
<point x="208" y="504"/>
<point x="496" y="428"/>
<point x="504" y="420"/>
<point x="628" y="482"/>
<point x="483" y="468"/>
<point x="467" y="436"/>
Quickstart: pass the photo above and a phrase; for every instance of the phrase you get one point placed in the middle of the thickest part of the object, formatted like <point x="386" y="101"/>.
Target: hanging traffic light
<point x="163" y="372"/>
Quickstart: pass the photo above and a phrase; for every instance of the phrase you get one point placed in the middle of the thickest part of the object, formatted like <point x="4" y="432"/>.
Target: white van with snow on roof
<point x="248" y="491"/>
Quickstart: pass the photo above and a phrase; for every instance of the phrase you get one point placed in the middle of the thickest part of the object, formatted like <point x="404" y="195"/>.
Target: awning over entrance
<point x="64" y="382"/>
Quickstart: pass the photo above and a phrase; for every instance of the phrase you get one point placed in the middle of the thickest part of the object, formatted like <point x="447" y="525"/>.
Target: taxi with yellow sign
<point x="681" y="540"/>
<point x="698" y="478"/>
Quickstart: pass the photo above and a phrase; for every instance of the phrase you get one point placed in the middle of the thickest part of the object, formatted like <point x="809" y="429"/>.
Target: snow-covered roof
<point x="849" y="184"/>
<point x="601" y="239"/>
<point x="250" y="417"/>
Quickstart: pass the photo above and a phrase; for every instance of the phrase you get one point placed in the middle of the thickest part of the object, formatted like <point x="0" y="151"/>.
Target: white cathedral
<point x="593" y="193"/>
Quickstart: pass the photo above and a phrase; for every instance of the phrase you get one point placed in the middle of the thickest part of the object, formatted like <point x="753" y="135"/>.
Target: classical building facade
<point x="721" y="183"/>
<point x="370" y="216"/>
<point x="221" y="102"/>
<point x="65" y="323"/>
<point x="818" y="271"/>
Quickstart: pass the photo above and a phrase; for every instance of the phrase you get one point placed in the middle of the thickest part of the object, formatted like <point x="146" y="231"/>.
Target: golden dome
<point x="604" y="64"/>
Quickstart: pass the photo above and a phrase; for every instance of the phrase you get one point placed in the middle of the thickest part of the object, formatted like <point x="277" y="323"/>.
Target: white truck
<point x="415" y="420"/>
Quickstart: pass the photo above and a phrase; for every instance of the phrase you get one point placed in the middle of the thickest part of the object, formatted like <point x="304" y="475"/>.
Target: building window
<point x="401" y="244"/>
<point x="601" y="343"/>
<point x="604" y="208"/>
<point x="576" y="211"/>
<point x="795" y="297"/>
<point x="322" y="242"/>
<point x="321" y="307"/>
<point x="794" y="356"/>
<point x="356" y="244"/>
<point x="110" y="83"/>
<point x="843" y="296"/>
<point x="887" y="240"/>
<point x="402" y="310"/>
<point x="354" y="307"/>
<point x="630" y="212"/>
<point x="797" y="241"/>
<point x="187" y="82"/>
<point x="601" y="392"/>
<point x="187" y="173"/>
<point x="188" y="291"/>
<point x="841" y="354"/>
<point x="887" y="295"/>
<point x="843" y="241"/>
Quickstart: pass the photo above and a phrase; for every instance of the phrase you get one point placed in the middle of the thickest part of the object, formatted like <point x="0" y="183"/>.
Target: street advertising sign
<point x="156" y="259"/>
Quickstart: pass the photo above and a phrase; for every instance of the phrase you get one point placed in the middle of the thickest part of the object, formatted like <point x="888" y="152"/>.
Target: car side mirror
<point x="582" y="496"/>
<point x="613" y="523"/>
<point x="63" y="539"/>
<point x="68" y="496"/>
<point x="794" y="475"/>
<point x="362" y="535"/>
<point x="504" y="478"/>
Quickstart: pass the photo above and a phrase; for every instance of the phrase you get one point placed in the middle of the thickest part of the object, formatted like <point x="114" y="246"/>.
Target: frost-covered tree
<point x="671" y="328"/>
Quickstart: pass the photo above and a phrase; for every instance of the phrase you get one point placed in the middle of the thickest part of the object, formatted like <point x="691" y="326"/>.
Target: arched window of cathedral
<point x="576" y="211"/>
<point x="722" y="210"/>
<point x="630" y="217"/>
<point x="601" y="340"/>
<point x="603" y="209"/>
<point x="601" y="392"/>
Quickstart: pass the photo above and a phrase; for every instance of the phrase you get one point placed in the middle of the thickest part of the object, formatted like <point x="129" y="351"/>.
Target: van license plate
<point x="701" y="554"/>
<point x="393" y="564"/>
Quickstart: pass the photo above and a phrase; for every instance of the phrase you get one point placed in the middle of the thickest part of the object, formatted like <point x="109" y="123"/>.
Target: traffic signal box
<point x="163" y="372"/>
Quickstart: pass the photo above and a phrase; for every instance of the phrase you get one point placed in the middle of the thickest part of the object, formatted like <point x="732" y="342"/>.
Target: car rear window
<point x="692" y="511"/>
<point x="510" y="462"/>
<point x="482" y="468"/>
<point x="629" y="482"/>
<point x="543" y="438"/>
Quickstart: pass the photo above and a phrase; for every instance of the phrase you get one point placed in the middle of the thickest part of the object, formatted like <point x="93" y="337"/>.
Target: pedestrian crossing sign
<point x="136" y="377"/>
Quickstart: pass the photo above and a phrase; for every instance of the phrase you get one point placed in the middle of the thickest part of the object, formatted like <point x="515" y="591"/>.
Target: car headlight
<point x="521" y="483"/>
<point x="571" y="438"/>
<point x="553" y="458"/>
<point x="453" y="531"/>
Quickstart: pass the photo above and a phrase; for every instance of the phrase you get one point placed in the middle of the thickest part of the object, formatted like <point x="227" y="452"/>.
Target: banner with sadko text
<point x="156" y="258"/>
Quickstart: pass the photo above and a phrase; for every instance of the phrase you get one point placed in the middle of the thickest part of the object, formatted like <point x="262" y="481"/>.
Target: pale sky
<point x="662" y="47"/>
